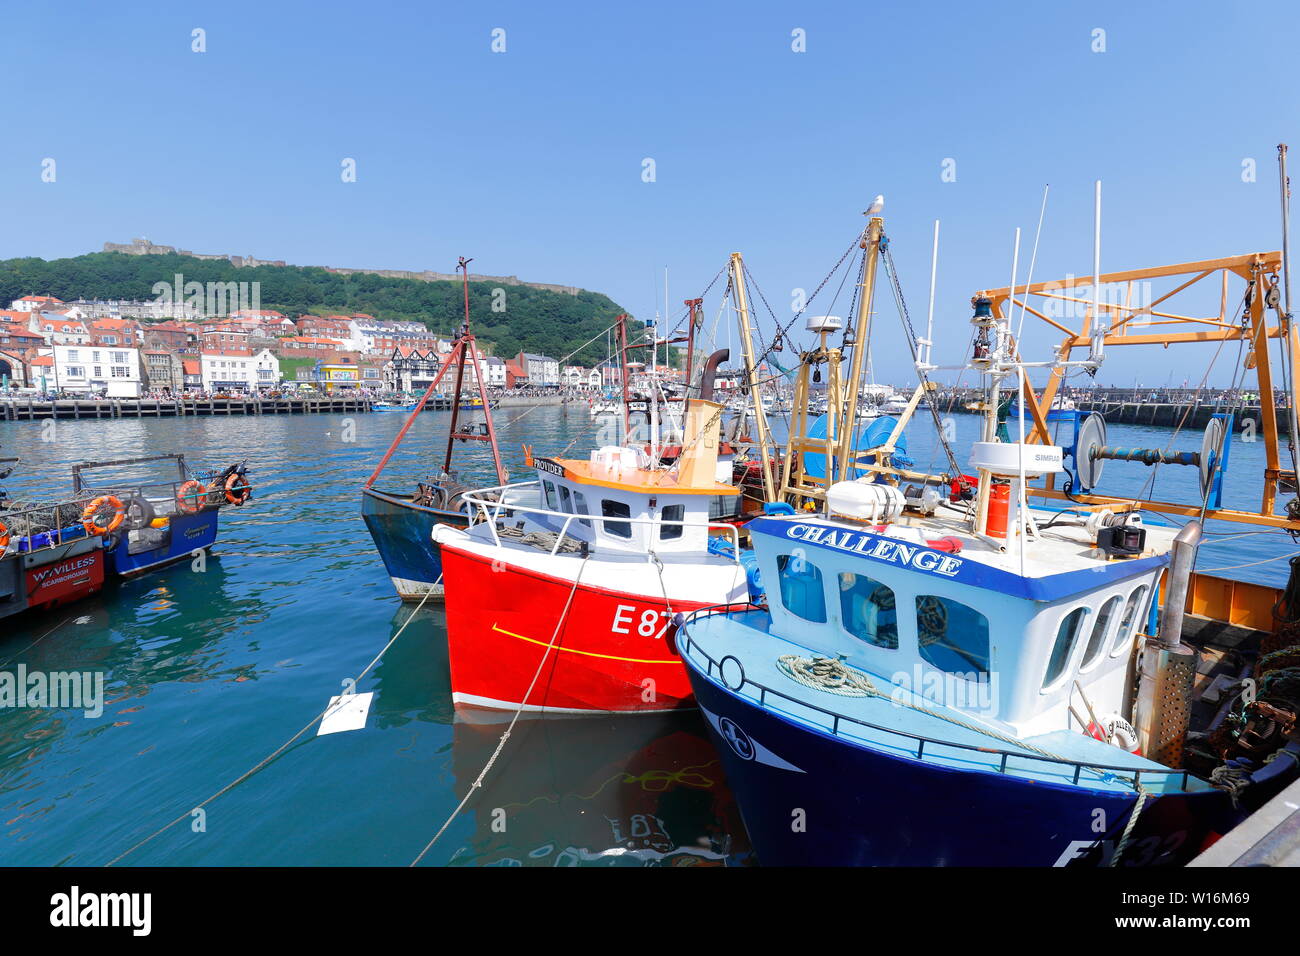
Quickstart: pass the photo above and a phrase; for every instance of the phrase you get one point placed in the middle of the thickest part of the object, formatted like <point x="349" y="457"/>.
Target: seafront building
<point x="120" y="349"/>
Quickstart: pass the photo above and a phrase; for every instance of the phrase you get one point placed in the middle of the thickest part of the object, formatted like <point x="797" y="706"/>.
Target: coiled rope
<point x="835" y="677"/>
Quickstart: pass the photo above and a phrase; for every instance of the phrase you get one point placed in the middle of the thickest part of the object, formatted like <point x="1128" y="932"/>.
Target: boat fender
<point x="189" y="497"/>
<point x="775" y="507"/>
<point x="948" y="543"/>
<point x="139" y="513"/>
<point x="90" y="516"/>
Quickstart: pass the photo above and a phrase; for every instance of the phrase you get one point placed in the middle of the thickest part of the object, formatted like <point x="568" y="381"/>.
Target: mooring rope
<point x="35" y="642"/>
<point x="283" y="747"/>
<point x="478" y="781"/>
<point x="1143" y="793"/>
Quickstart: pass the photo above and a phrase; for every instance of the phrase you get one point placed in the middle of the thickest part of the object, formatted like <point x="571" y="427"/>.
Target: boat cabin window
<point x="867" y="610"/>
<point x="566" y="500"/>
<point x="1100" y="630"/>
<point x="1063" y="649"/>
<point x="668" y="532"/>
<point x="801" y="587"/>
<point x="616" y="509"/>
<point x="1132" y="611"/>
<point x="952" y="636"/>
<point x="580" y="507"/>
<point x="551" y="502"/>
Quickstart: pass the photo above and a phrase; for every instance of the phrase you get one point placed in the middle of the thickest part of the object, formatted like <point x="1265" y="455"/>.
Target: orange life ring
<point x="237" y="489"/>
<point x="4" y="536"/>
<point x="189" y="497"/>
<point x="92" y="510"/>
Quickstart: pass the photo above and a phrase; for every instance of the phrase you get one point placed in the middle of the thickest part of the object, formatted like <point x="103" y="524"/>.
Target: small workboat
<point x="148" y="523"/>
<point x="47" y="558"/>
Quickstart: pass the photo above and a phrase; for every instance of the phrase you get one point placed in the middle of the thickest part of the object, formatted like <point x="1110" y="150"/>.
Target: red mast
<point x="464" y="345"/>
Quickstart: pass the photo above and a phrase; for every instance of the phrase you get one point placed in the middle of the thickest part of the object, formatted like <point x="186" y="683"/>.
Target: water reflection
<point x="621" y="790"/>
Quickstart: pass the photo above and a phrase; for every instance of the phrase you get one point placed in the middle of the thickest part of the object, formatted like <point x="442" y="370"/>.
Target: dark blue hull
<point x="811" y="799"/>
<point x="138" y="552"/>
<point x="402" y="532"/>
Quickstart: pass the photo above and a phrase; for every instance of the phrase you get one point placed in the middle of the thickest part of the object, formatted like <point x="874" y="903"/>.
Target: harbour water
<point x="207" y="671"/>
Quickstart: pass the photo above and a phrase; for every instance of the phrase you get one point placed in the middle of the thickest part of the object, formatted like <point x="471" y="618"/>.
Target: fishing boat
<point x="401" y="522"/>
<point x="47" y="558"/>
<point x="150" y="522"/>
<point x="938" y="677"/>
<point x="567" y="606"/>
<point x="391" y="406"/>
<point x="604" y="406"/>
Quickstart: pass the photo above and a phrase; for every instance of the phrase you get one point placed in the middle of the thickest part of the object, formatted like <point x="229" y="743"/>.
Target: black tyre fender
<point x="139" y="514"/>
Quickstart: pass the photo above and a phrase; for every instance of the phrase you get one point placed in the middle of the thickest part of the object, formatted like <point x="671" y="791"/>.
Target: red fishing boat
<point x="570" y="606"/>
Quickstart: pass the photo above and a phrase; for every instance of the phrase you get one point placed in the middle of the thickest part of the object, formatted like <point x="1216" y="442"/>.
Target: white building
<point x="35" y="303"/>
<point x="494" y="371"/>
<point x="239" y="370"/>
<point x="113" y="371"/>
<point x="133" y="309"/>
<point x="59" y="329"/>
<point x="542" y="369"/>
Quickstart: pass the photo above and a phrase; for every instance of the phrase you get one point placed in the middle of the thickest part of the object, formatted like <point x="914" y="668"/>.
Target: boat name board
<point x="882" y="549"/>
<point x="551" y="467"/>
<point x="863" y="544"/>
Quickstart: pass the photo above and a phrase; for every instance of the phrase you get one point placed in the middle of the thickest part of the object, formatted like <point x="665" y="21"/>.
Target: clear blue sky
<point x="530" y="161"/>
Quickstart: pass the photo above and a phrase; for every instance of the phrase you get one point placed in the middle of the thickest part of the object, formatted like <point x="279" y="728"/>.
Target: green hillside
<point x="534" y="320"/>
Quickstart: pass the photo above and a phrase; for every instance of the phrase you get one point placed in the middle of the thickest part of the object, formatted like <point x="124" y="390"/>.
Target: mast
<point x="870" y="245"/>
<point x="621" y="339"/>
<point x="458" y="358"/>
<point x="751" y="374"/>
<point x="466" y="347"/>
<point x="694" y="306"/>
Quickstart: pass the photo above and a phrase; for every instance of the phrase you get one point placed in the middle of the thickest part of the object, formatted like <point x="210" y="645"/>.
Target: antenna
<point x="927" y="344"/>
<point x="1099" y="326"/>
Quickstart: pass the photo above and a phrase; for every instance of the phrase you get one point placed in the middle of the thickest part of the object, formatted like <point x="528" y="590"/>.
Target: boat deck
<point x="893" y="721"/>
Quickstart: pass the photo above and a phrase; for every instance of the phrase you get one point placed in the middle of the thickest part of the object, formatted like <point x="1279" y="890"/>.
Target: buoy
<point x="90" y="516"/>
<point x="189" y="497"/>
<point x="999" y="505"/>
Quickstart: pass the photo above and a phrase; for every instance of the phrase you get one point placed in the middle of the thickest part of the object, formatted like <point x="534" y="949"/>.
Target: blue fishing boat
<point x="946" y="675"/>
<point x="148" y="522"/>
<point x="402" y="523"/>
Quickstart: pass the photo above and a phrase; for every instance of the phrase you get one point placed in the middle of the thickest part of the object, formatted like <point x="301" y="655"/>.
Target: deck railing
<point x="493" y="509"/>
<point x="1130" y="775"/>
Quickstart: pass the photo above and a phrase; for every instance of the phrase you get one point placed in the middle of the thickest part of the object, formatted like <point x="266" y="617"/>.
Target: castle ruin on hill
<point x="143" y="247"/>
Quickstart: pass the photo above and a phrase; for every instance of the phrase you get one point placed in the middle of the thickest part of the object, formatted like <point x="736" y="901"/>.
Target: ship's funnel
<point x="710" y="372"/>
<point x="698" y="464"/>
<point x="1167" y="667"/>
